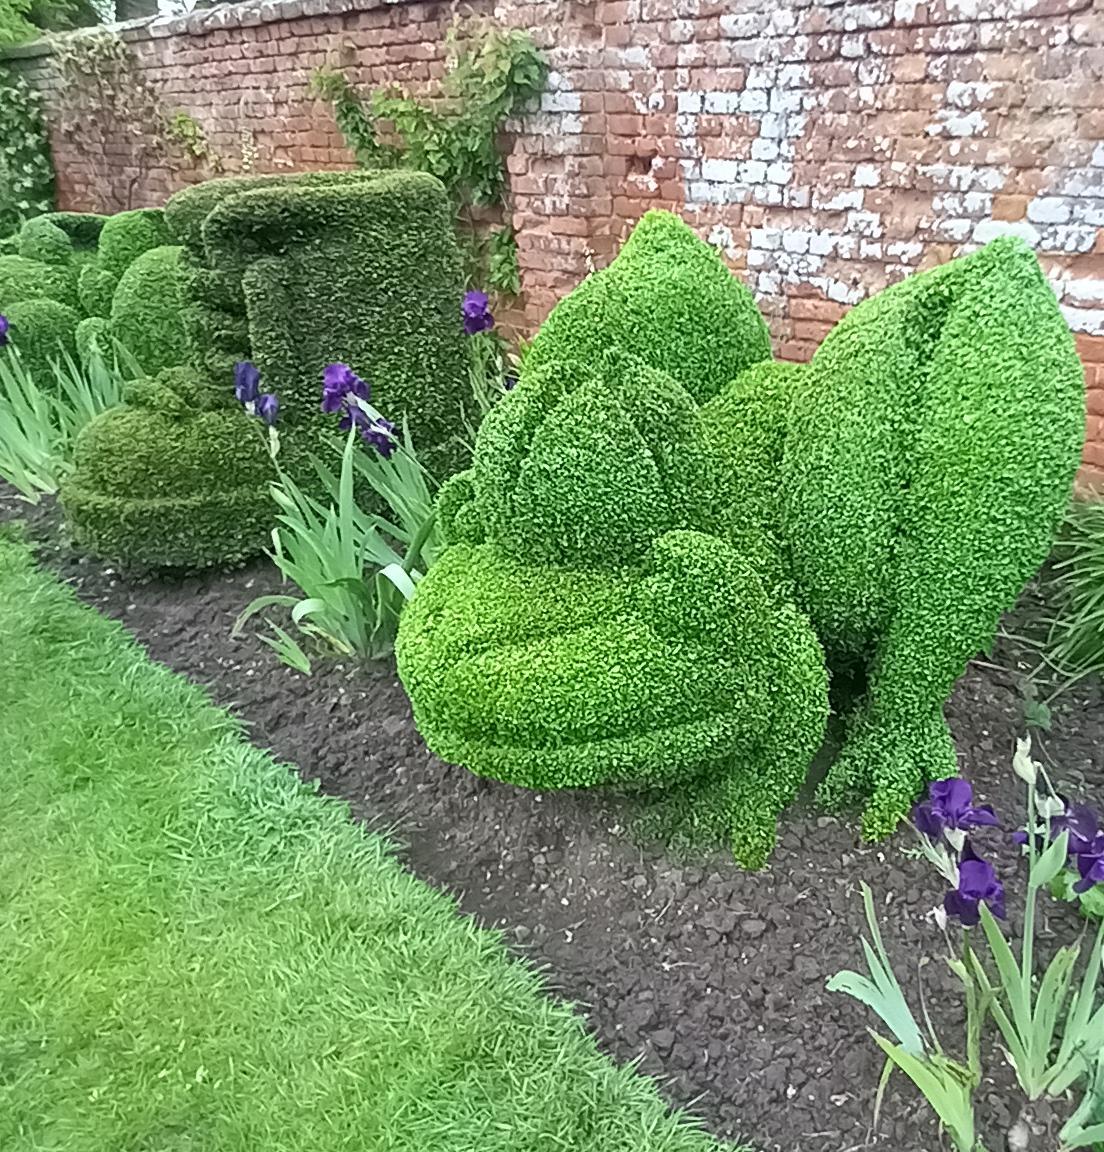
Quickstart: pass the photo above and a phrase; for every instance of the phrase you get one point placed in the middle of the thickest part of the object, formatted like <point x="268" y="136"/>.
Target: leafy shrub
<point x="43" y="331"/>
<point x="42" y="239"/>
<point x="26" y="173"/>
<point x="667" y="298"/>
<point x="61" y="237"/>
<point x="292" y="273"/>
<point x="146" y="310"/>
<point x="929" y="456"/>
<point x="342" y="253"/>
<point x="22" y="279"/>
<point x="125" y="237"/>
<point x="93" y="336"/>
<point x="1076" y="641"/>
<point x="95" y="290"/>
<point x="601" y="634"/>
<point x="582" y="468"/>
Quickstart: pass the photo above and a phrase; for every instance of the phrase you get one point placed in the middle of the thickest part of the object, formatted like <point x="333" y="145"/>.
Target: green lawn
<point x="197" y="954"/>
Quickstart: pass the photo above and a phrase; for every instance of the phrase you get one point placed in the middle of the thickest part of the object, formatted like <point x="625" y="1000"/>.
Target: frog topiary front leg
<point x="706" y="589"/>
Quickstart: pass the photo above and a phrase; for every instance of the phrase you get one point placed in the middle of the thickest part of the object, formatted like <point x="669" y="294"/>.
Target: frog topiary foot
<point x="884" y="765"/>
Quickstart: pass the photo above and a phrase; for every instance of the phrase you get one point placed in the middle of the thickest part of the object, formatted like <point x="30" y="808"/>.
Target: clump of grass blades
<point x="355" y="569"/>
<point x="198" y="952"/>
<point x="39" y="422"/>
<point x="1076" y="641"/>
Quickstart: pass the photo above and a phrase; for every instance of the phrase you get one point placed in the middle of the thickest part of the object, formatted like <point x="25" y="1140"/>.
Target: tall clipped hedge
<point x="926" y="467"/>
<point x="292" y="273"/>
<point x="667" y="298"/>
<point x="597" y="634"/>
<point x="357" y="270"/>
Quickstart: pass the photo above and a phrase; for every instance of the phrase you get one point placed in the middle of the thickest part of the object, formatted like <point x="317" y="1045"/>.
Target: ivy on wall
<point x="26" y="173"/>
<point x="452" y="133"/>
<point x="102" y="97"/>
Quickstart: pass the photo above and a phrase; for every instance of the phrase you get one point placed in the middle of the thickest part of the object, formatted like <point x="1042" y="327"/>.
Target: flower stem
<point x="1027" y="956"/>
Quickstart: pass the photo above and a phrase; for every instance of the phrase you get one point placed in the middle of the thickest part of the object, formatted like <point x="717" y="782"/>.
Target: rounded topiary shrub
<point x="164" y="482"/>
<point x="24" y="279"/>
<point x="146" y="310"/>
<point x="127" y="235"/>
<point x="42" y="239"/>
<point x="43" y="331"/>
<point x="668" y="299"/>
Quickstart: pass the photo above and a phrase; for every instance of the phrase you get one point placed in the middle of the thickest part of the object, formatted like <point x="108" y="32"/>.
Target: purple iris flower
<point x="5" y="324"/>
<point x="1082" y="824"/>
<point x="1090" y="864"/>
<point x="378" y="433"/>
<point x="247" y="382"/>
<point x="476" y="313"/>
<point x="950" y="806"/>
<point x="268" y="408"/>
<point x="977" y="885"/>
<point x="339" y="382"/>
<point x="1079" y="820"/>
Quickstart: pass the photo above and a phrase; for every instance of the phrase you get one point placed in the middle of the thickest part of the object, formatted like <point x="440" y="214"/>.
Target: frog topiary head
<point x="585" y="465"/>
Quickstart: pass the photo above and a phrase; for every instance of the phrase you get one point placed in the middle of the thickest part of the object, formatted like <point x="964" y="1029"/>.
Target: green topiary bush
<point x="292" y="273"/>
<point x="60" y="237"/>
<point x="127" y="235"/>
<point x="41" y="239"/>
<point x="24" y="279"/>
<point x="93" y="335"/>
<point x="128" y="502"/>
<point x="897" y="492"/>
<point x="43" y="331"/>
<point x="123" y="238"/>
<point x="146" y="310"/>
<point x="584" y="468"/>
<point x="96" y="290"/>
<point x="599" y="635"/>
<point x="930" y="454"/>
<point x="667" y="298"/>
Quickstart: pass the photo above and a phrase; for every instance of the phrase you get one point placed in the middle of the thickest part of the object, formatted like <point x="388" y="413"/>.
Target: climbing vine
<point x="26" y="173"/>
<point x="102" y="96"/>
<point x="453" y="133"/>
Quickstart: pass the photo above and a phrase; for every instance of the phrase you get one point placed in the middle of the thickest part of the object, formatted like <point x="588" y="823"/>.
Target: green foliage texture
<point x="667" y="298"/>
<point x="26" y="171"/>
<point x="927" y="466"/>
<point x="292" y="273"/>
<point x="23" y="279"/>
<point x="43" y="330"/>
<point x="601" y="632"/>
<point x="647" y="534"/>
<point x="146" y="310"/>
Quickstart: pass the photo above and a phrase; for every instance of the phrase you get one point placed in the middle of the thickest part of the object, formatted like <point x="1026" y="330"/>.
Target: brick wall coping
<point x="247" y="13"/>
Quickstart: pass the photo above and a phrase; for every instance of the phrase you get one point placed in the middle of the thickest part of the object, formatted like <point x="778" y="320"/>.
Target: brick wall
<point x="826" y="148"/>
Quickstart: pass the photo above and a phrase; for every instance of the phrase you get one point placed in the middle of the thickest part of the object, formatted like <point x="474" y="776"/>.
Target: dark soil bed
<point x="715" y="977"/>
